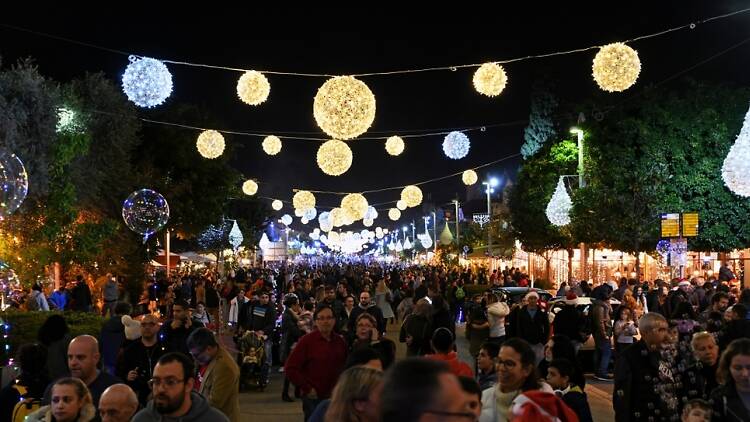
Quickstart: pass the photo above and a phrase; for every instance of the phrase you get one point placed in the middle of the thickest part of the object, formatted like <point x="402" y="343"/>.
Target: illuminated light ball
<point x="371" y="213"/>
<point x="286" y="219"/>
<point x="303" y="220"/>
<point x="337" y="217"/>
<point x="394" y="145"/>
<point x="146" y="81"/>
<point x="277" y="205"/>
<point x="14" y="181"/>
<point x="303" y="200"/>
<point x="271" y="145"/>
<point x="250" y="187"/>
<point x="310" y="214"/>
<point x="210" y="144"/>
<point x="456" y="145"/>
<point x="401" y="204"/>
<point x="348" y="219"/>
<point x="490" y="79"/>
<point x="253" y="88"/>
<point x="334" y="157"/>
<point x="378" y="230"/>
<point x="616" y="67"/>
<point x="394" y="214"/>
<point x="344" y="107"/>
<point x="298" y="212"/>
<point x="324" y="218"/>
<point x="469" y="177"/>
<point x="334" y="237"/>
<point x="367" y="222"/>
<point x="355" y="205"/>
<point x="385" y="231"/>
<point x="145" y="212"/>
<point x="412" y="195"/>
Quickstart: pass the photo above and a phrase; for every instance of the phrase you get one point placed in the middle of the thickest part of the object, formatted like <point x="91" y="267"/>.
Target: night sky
<point x="410" y="102"/>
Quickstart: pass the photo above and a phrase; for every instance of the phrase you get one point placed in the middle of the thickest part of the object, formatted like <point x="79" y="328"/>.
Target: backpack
<point x="26" y="406"/>
<point x="460" y="293"/>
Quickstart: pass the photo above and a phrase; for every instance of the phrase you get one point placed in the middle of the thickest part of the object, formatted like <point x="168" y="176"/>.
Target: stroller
<point x="252" y="360"/>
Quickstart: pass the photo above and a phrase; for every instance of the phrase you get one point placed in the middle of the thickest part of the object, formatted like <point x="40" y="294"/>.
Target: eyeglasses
<point x="467" y="415"/>
<point x="168" y="382"/>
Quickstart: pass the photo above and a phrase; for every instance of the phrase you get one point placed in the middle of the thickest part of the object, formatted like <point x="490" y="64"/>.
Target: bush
<point x="24" y="326"/>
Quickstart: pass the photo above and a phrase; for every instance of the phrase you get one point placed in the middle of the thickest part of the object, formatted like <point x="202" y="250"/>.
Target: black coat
<point x="635" y="397"/>
<point x="728" y="405"/>
<point x="571" y="323"/>
<point x="520" y="324"/>
<point x="698" y="382"/>
<point x="372" y="310"/>
<point x="254" y="317"/>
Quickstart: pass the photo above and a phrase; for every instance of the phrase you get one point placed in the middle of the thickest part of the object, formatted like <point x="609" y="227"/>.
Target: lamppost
<point x="434" y="232"/>
<point x="581" y="183"/>
<point x="458" y="236"/>
<point x="490" y="185"/>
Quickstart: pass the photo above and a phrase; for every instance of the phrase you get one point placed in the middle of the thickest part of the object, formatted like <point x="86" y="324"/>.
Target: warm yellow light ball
<point x="253" y="88"/>
<point x="394" y="214"/>
<point x="272" y="145"/>
<point x="355" y="205"/>
<point x="303" y="200"/>
<point x="412" y="195"/>
<point x="616" y="67"/>
<point x="277" y="205"/>
<point x="337" y="217"/>
<point x="210" y="144"/>
<point x="250" y="187"/>
<point x="401" y="204"/>
<point x="344" y="107"/>
<point x="490" y="79"/>
<point x="469" y="177"/>
<point x="334" y="157"/>
<point x="394" y="145"/>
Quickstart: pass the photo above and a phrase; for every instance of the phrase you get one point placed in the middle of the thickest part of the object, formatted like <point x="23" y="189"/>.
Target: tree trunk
<point x="638" y="265"/>
<point x="570" y="264"/>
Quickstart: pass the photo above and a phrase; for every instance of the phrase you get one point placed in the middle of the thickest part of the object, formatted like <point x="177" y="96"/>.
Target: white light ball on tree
<point x="735" y="171"/>
<point x="559" y="206"/>
<point x="334" y="157"/>
<point x="253" y="88"/>
<point x="394" y="145"/>
<point x="250" y="187"/>
<point x="147" y="82"/>
<point x="616" y="67"/>
<point x="394" y="214"/>
<point x="277" y="205"/>
<point x="210" y="144"/>
<point x="303" y="200"/>
<point x="412" y="195"/>
<point x="271" y="145"/>
<point x="401" y="205"/>
<point x="344" y="107"/>
<point x="490" y="79"/>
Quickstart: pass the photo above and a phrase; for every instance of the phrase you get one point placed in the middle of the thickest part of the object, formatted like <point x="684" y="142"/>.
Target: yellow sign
<point x="690" y="224"/>
<point x="670" y="225"/>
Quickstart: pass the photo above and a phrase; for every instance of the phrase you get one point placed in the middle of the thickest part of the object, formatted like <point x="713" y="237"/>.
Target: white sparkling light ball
<point x="469" y="177"/>
<point x="394" y="214"/>
<point x="367" y="222"/>
<point x="344" y="107"/>
<point x="210" y="144"/>
<point x="311" y="213"/>
<point x="401" y="204"/>
<point x="250" y="187"/>
<point x="394" y="145"/>
<point x="490" y="79"/>
<point x="456" y="145"/>
<point x="412" y="195"/>
<point x="303" y="200"/>
<point x="147" y="82"/>
<point x="616" y="67"/>
<point x="334" y="157"/>
<point x="277" y="205"/>
<point x="253" y="88"/>
<point x="271" y="145"/>
<point x="286" y="219"/>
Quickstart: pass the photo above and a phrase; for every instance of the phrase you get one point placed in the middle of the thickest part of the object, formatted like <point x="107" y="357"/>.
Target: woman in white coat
<point x="234" y="307"/>
<point x="382" y="298"/>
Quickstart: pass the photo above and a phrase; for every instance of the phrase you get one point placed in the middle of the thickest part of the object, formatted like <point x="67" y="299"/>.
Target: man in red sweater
<point x="442" y="343"/>
<point x="317" y="361"/>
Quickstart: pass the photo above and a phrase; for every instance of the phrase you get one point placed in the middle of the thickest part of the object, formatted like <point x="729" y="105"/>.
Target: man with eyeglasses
<point x="174" y="398"/>
<point x="140" y="357"/>
<point x="218" y="374"/>
<point x="317" y="361"/>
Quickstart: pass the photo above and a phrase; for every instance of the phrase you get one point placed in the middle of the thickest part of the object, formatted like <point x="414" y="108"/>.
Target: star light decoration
<point x="394" y="145"/>
<point x="303" y="200"/>
<point x="250" y="187"/>
<point x="736" y="168"/>
<point x="344" y="107"/>
<point x="490" y="79"/>
<point x="253" y="88"/>
<point x="456" y="145"/>
<point x="394" y="214"/>
<point x="469" y="177"/>
<point x="616" y="67"/>
<point x="355" y="205"/>
<point x="271" y="145"/>
<point x="210" y="144"/>
<point x="412" y="195"/>
<point x="146" y="81"/>
<point x="559" y="206"/>
<point x="277" y="205"/>
<point x="334" y="157"/>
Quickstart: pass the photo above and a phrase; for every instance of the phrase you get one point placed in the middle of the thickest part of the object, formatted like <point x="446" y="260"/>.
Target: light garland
<point x="210" y="144"/>
<point x="490" y="79"/>
<point x="394" y="145"/>
<point x="344" y="107"/>
<point x="735" y="171"/>
<point x="469" y="177"/>
<point x="250" y="187"/>
<point x="272" y="145"/>
<point x="147" y="82"/>
<point x="394" y="214"/>
<point x="412" y="195"/>
<point x="616" y="67"/>
<point x="277" y="205"/>
<point x="355" y="205"/>
<point x="253" y="88"/>
<point x="334" y="157"/>
<point x="456" y="145"/>
<point x="401" y="205"/>
<point x="559" y="206"/>
<point x="303" y="200"/>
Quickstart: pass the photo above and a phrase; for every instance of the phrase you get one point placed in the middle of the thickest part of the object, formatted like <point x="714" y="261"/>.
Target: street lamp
<point x="579" y="133"/>
<point x="490" y="185"/>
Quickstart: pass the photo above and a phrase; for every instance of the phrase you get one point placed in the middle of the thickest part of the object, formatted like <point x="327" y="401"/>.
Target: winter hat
<point x="132" y="327"/>
<point x="538" y="406"/>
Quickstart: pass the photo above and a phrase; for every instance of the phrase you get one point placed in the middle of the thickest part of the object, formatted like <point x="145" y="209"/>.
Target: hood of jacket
<point x="197" y="412"/>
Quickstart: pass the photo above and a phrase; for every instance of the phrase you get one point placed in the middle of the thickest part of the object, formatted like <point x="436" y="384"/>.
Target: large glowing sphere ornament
<point x="253" y="88"/>
<point x="616" y="67"/>
<point x="271" y="145"/>
<point x="490" y="79"/>
<point x="250" y="187"/>
<point x="210" y="144"/>
<point x="344" y="107"/>
<point x="145" y="212"/>
<point x="469" y="177"/>
<point x="412" y="195"/>
<point x="394" y="145"/>
<point x="146" y="81"/>
<point x="456" y="145"/>
<point x="303" y="200"/>
<point x="14" y="182"/>
<point x="394" y="214"/>
<point x="277" y="205"/>
<point x="355" y="205"/>
<point x="559" y="206"/>
<point x="334" y="157"/>
<point x="337" y="217"/>
<point x="736" y="168"/>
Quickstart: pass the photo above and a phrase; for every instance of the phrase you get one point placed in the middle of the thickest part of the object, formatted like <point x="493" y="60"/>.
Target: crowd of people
<point x="681" y="348"/>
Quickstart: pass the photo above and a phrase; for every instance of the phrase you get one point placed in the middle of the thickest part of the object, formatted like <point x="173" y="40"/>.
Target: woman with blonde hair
<point x="356" y="397"/>
<point x="70" y="402"/>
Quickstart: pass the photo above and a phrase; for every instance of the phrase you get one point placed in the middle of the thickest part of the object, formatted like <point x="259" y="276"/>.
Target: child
<point x="559" y="373"/>
<point x="696" y="410"/>
<point x="625" y="329"/>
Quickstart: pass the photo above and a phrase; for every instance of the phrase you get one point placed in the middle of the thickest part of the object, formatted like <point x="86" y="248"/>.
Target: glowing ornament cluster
<point x="146" y="81"/>
<point x="412" y="196"/>
<point x="490" y="79"/>
<point x="394" y="214"/>
<point x="469" y="177"/>
<point x="334" y="157"/>
<point x="253" y="88"/>
<point x="271" y="145"/>
<point x="210" y="144"/>
<point x="303" y="201"/>
<point x="456" y="145"/>
<point x="355" y="206"/>
<point x="736" y="168"/>
<point x="344" y="107"/>
<point x="616" y="67"/>
<point x="559" y="206"/>
<point x="394" y="145"/>
<point x="250" y="187"/>
<point x="277" y="205"/>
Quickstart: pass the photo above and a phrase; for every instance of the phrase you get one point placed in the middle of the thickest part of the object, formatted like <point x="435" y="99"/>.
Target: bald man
<point x="118" y="404"/>
<point x="139" y="359"/>
<point x="83" y="357"/>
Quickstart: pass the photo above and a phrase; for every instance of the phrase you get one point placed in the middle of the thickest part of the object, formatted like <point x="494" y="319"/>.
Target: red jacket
<point x="316" y="363"/>
<point x="459" y="368"/>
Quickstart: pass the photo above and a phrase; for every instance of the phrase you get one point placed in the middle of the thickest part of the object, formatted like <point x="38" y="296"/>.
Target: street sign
<point x="670" y="225"/>
<point x="690" y="224"/>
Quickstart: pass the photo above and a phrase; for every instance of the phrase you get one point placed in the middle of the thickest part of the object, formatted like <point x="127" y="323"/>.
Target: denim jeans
<point x="603" y="356"/>
<point x="266" y="368"/>
<point x="309" y="405"/>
